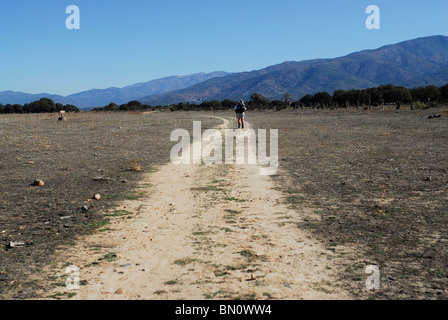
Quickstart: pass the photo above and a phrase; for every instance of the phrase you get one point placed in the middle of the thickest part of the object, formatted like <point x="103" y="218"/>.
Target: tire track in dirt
<point x="203" y="232"/>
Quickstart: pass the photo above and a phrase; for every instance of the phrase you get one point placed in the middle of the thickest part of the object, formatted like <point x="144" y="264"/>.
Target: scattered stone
<point x="125" y="265"/>
<point x="39" y="183"/>
<point x="97" y="196"/>
<point x="65" y="218"/>
<point x="13" y="244"/>
<point x="84" y="208"/>
<point x="252" y="278"/>
<point x="119" y="291"/>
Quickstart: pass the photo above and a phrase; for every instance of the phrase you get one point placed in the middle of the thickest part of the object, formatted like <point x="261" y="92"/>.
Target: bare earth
<point x="203" y="232"/>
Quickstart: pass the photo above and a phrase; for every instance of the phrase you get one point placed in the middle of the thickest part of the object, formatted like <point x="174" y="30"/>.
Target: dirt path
<point x="203" y="232"/>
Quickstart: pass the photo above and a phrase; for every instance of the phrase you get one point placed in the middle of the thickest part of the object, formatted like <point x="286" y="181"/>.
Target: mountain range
<point x="411" y="63"/>
<point x="14" y="97"/>
<point x="101" y="97"/>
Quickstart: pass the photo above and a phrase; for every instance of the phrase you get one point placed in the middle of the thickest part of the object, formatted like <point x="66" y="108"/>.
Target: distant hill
<point x="411" y="63"/>
<point x="102" y="97"/>
<point x="13" y="97"/>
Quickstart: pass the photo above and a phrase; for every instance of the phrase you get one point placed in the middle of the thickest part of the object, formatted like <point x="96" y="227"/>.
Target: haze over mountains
<point x="13" y="97"/>
<point x="102" y="97"/>
<point x="412" y="63"/>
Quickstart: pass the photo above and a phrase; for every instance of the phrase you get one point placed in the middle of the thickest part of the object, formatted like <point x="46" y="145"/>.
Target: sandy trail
<point x="204" y="232"/>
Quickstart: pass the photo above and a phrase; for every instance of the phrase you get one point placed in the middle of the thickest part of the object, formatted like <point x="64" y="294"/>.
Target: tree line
<point x="43" y="105"/>
<point x="372" y="97"/>
<point x="138" y="106"/>
<point x="386" y="94"/>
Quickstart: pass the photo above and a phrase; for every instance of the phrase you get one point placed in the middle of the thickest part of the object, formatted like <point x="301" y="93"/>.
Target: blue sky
<point x="125" y="42"/>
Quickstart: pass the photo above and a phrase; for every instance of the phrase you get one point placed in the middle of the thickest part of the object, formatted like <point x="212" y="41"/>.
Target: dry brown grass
<point x="377" y="182"/>
<point x="88" y="154"/>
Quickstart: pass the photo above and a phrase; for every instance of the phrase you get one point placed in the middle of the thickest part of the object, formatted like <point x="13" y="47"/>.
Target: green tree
<point x="9" y="108"/>
<point x="134" y="105"/>
<point x="418" y="94"/>
<point x="423" y="93"/>
<point x="444" y="92"/>
<point x="364" y="97"/>
<point x="44" y="105"/>
<point x="211" y="105"/>
<point x="306" y="100"/>
<point x="258" y="101"/>
<point x="433" y="93"/>
<point x="341" y="97"/>
<point x="59" y="107"/>
<point x="322" y="98"/>
<point x="18" y="108"/>
<point x="374" y="96"/>
<point x="27" y="108"/>
<point x="111" y="107"/>
<point x="70" y="108"/>
<point x="391" y="93"/>
<point x="277" y="104"/>
<point x="228" y="104"/>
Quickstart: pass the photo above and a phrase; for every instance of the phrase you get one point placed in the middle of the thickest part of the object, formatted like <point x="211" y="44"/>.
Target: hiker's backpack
<point x="240" y="108"/>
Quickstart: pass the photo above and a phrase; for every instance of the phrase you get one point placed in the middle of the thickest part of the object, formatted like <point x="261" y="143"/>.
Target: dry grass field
<point x="371" y="186"/>
<point x="377" y="182"/>
<point x="89" y="154"/>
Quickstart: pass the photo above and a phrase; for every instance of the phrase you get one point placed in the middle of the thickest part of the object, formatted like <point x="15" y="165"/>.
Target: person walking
<point x="240" y="110"/>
